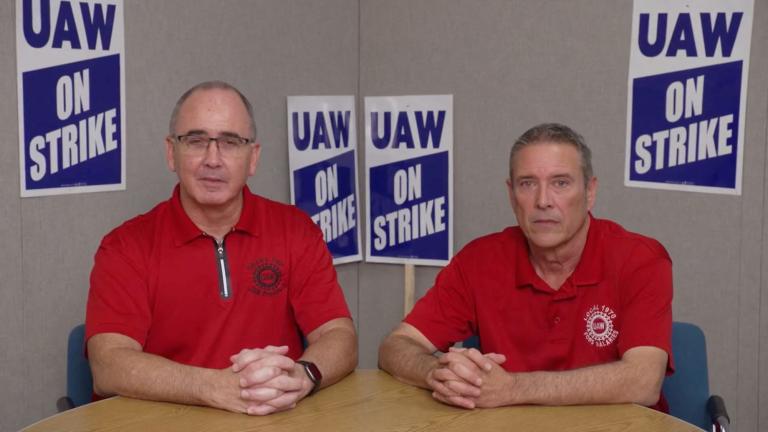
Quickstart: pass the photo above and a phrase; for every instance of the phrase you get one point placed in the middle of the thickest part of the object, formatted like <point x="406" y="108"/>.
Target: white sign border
<point x="69" y="190"/>
<point x="728" y="6"/>
<point x="332" y="100"/>
<point x="395" y="101"/>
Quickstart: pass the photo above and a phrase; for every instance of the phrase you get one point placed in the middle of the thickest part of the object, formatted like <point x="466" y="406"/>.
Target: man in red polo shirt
<point x="569" y="309"/>
<point x="204" y="299"/>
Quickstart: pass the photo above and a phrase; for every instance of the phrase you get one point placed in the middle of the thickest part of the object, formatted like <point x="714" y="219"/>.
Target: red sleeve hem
<point x="135" y="334"/>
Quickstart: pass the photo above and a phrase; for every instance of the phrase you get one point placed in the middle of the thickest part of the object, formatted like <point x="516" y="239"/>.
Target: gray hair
<point x="557" y="133"/>
<point x="212" y="85"/>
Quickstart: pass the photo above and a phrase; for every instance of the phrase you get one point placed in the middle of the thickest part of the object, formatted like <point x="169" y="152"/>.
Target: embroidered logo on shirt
<point x="600" y="331"/>
<point x="267" y="276"/>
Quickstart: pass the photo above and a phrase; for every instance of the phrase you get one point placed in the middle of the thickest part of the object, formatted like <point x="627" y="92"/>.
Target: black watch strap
<point x="313" y="372"/>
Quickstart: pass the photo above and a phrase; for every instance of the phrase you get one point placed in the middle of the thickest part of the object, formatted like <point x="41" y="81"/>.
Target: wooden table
<point x="367" y="400"/>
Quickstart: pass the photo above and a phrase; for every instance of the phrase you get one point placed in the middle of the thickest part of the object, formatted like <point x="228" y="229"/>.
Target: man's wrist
<point x="312" y="374"/>
<point x="517" y="388"/>
<point x="431" y="365"/>
<point x="209" y="386"/>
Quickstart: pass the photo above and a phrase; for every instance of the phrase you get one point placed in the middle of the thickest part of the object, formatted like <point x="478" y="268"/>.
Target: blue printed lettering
<point x="300" y="140"/>
<point x="319" y="133"/>
<point x="380" y="141"/>
<point x="646" y="47"/>
<point x="720" y="33"/>
<point x="40" y="38"/>
<point x="427" y="127"/>
<point x="684" y="36"/>
<point x="97" y="25"/>
<point x="403" y="135"/>
<point x="340" y="128"/>
<point x="66" y="28"/>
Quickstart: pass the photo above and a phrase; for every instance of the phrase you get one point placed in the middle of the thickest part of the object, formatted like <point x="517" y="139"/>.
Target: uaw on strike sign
<point x="687" y="94"/>
<point x="70" y="77"/>
<point x="322" y="142"/>
<point x="409" y="165"/>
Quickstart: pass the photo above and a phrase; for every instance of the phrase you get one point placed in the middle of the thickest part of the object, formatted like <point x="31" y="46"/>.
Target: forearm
<point x="406" y="360"/>
<point x="127" y="371"/>
<point x="616" y="382"/>
<point x="334" y="353"/>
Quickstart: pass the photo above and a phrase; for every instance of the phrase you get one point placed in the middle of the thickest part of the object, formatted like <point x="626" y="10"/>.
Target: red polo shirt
<point x="618" y="297"/>
<point x="161" y="281"/>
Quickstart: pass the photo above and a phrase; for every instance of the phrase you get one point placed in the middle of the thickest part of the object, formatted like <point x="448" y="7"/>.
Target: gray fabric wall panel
<point x="348" y="277"/>
<point x="754" y="337"/>
<point x="14" y="355"/>
<point x="380" y="303"/>
<point x="508" y="63"/>
<point x="751" y="286"/>
<point x="762" y="340"/>
<point x="270" y="49"/>
<point x="59" y="237"/>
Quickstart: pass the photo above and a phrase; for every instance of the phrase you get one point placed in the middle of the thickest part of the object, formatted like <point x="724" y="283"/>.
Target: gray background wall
<point x="509" y="64"/>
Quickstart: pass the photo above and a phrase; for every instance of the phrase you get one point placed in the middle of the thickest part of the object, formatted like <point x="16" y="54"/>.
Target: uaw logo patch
<point x="267" y="276"/>
<point x="600" y="330"/>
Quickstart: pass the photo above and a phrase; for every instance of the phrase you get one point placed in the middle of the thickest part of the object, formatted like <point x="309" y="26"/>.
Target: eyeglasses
<point x="197" y="144"/>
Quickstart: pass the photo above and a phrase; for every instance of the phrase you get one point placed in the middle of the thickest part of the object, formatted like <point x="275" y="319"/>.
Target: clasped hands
<point x="468" y="378"/>
<point x="269" y="381"/>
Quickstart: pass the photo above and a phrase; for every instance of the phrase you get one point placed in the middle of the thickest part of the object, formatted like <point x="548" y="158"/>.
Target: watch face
<point x="312" y="372"/>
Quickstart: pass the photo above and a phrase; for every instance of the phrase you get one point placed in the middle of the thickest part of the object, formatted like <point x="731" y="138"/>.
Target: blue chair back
<point x="79" y="379"/>
<point x="472" y="342"/>
<point x="687" y="390"/>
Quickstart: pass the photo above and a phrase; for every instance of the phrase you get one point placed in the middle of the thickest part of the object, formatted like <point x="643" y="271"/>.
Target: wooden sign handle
<point x="410" y="288"/>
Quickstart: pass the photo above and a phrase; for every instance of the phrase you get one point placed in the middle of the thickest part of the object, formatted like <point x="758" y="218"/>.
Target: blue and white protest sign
<point x="688" y="94"/>
<point x="71" y="96"/>
<point x="322" y="143"/>
<point x="409" y="181"/>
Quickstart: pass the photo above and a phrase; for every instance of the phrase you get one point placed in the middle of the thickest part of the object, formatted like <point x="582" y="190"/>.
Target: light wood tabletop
<point x="367" y="400"/>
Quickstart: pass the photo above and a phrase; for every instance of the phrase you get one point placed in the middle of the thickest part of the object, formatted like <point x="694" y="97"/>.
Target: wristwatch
<point x="313" y="373"/>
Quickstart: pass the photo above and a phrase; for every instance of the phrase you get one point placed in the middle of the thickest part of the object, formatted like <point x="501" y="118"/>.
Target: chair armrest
<point x="64" y="403"/>
<point x="718" y="413"/>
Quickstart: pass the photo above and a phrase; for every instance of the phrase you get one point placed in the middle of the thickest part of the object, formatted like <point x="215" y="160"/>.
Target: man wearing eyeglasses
<point x="205" y="299"/>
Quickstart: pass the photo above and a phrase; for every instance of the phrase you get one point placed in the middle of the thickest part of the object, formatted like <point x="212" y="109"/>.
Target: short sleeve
<point x="118" y="297"/>
<point x="647" y="305"/>
<point x="446" y="313"/>
<point x="315" y="294"/>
